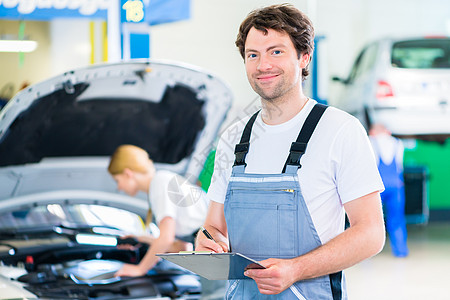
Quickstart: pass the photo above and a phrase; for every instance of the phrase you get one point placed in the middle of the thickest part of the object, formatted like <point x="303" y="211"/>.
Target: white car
<point x="403" y="84"/>
<point x="60" y="212"/>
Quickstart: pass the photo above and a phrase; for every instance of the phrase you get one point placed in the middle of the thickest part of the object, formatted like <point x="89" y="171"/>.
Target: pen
<point x="206" y="233"/>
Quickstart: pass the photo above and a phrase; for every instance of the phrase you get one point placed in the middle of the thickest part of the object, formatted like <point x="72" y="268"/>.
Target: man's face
<point x="127" y="183"/>
<point x="273" y="68"/>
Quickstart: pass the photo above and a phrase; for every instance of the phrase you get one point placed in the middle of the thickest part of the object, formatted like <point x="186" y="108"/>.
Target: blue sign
<point x="132" y="11"/>
<point x="139" y="45"/>
<point x="167" y="11"/>
<point x="49" y="9"/>
<point x="152" y="12"/>
<point x="155" y="12"/>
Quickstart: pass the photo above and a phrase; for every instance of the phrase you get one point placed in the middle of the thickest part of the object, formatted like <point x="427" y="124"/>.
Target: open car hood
<point x="56" y="136"/>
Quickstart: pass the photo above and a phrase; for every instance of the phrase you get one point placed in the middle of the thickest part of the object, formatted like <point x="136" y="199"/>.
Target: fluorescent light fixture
<point x="95" y="239"/>
<point x="17" y="46"/>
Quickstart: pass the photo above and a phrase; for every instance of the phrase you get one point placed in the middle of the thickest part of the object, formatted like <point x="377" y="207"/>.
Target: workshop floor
<point x="423" y="275"/>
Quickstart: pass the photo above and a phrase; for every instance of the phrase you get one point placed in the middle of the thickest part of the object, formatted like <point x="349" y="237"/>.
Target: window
<point x="364" y="62"/>
<point x="421" y="54"/>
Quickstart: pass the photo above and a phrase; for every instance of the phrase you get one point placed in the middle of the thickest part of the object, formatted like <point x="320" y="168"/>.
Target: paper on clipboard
<point x="214" y="266"/>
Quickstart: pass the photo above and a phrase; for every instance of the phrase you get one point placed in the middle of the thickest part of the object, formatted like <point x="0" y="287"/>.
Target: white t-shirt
<point x="337" y="167"/>
<point x="171" y="195"/>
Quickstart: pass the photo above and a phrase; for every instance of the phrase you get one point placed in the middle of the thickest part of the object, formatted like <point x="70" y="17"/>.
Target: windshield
<point x="76" y="215"/>
<point x="421" y="54"/>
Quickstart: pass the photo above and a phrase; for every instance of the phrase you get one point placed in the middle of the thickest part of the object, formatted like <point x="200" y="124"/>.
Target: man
<point x="389" y="153"/>
<point x="289" y="213"/>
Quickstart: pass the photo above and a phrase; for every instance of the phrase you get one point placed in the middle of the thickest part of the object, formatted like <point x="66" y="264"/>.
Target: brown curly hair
<point x="282" y="18"/>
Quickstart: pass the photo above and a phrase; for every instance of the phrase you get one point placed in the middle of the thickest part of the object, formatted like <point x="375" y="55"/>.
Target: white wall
<point x="207" y="39"/>
<point x="67" y="55"/>
<point x="350" y="24"/>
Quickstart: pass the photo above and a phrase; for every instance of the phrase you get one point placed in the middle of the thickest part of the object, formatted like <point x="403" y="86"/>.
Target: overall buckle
<point x="296" y="152"/>
<point x="240" y="151"/>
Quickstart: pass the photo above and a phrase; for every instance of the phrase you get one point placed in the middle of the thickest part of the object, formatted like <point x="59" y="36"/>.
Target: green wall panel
<point x="436" y="158"/>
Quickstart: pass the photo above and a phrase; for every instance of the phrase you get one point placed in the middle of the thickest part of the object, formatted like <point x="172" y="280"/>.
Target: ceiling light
<point x="17" y="45"/>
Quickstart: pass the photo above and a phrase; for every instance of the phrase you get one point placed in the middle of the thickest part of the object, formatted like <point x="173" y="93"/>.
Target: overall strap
<point x="298" y="147"/>
<point x="241" y="149"/>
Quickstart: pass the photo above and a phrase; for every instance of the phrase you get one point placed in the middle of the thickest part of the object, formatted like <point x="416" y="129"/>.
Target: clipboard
<point x="214" y="266"/>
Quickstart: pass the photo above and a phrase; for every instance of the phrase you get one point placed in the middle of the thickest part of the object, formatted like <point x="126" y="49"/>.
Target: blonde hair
<point x="132" y="157"/>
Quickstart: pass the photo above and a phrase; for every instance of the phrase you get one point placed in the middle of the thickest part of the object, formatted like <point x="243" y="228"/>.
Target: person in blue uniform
<point x="389" y="151"/>
<point x="299" y="167"/>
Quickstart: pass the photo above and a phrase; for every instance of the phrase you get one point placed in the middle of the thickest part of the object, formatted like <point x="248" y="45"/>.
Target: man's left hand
<point x="277" y="277"/>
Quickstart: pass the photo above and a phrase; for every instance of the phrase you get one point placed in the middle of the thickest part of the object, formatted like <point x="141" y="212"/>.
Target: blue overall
<point x="267" y="217"/>
<point x="393" y="198"/>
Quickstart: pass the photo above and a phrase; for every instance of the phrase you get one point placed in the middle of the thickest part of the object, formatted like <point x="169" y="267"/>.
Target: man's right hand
<point x="205" y="244"/>
<point x="217" y="227"/>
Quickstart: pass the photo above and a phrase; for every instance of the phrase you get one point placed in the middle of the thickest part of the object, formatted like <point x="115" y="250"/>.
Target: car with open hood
<point x="60" y="212"/>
